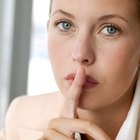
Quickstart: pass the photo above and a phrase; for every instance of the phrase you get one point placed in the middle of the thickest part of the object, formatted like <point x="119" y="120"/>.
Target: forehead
<point x="93" y="7"/>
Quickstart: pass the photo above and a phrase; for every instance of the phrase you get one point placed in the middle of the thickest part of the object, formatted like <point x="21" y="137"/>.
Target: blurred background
<point x="24" y="64"/>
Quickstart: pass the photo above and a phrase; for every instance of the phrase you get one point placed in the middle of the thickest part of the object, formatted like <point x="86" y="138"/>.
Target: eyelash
<point x="63" y="21"/>
<point x="106" y="25"/>
<point x="103" y="26"/>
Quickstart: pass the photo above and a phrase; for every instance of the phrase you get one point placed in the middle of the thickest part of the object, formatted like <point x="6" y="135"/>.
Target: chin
<point x="86" y="102"/>
<point x="91" y="101"/>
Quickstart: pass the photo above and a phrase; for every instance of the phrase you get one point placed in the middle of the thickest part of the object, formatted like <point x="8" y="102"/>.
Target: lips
<point x="90" y="82"/>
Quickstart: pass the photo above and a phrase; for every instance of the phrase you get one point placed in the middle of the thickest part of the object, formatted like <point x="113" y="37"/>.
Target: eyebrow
<point x="106" y="17"/>
<point x="64" y="13"/>
<point x="102" y="18"/>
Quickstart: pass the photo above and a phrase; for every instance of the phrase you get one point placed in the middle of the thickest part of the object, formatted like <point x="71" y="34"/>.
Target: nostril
<point x="85" y="61"/>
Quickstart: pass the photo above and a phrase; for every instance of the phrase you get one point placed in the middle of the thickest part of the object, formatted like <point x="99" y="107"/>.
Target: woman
<point x="94" y="50"/>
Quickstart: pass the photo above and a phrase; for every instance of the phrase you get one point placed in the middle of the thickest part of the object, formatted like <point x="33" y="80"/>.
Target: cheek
<point x="59" y="56"/>
<point x="122" y="66"/>
<point x="52" y="49"/>
<point x="119" y="64"/>
<point x="59" y="50"/>
<point x="56" y="58"/>
<point x="56" y="53"/>
<point x="123" y="56"/>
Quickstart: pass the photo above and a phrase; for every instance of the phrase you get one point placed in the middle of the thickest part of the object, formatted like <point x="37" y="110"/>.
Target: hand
<point x="64" y="128"/>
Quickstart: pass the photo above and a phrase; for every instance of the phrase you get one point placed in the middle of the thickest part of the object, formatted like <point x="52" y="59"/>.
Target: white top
<point x="129" y="128"/>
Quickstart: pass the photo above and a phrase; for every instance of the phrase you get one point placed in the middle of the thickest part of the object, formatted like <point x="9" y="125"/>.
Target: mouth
<point x="90" y="82"/>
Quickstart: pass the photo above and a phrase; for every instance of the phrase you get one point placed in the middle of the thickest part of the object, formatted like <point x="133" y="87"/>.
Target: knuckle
<point x="52" y="122"/>
<point x="88" y="124"/>
<point x="71" y="134"/>
<point x="49" y="133"/>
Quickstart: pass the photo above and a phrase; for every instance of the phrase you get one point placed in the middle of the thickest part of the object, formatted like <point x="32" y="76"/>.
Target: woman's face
<point x="103" y="37"/>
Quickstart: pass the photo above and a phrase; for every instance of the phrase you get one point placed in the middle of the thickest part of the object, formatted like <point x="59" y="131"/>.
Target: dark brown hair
<point x="138" y="7"/>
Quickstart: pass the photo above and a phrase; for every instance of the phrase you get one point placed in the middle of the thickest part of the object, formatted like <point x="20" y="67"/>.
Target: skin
<point x="87" y="48"/>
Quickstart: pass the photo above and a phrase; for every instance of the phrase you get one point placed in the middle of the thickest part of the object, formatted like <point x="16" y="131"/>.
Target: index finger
<point x="72" y="96"/>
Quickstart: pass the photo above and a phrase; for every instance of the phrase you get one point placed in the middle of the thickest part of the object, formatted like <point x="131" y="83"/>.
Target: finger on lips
<point x="55" y="128"/>
<point x="67" y="125"/>
<point x="72" y="96"/>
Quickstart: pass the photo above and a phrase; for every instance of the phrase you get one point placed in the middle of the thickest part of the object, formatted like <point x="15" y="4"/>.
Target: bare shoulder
<point x="40" y="102"/>
<point x="34" y="111"/>
<point x="47" y="101"/>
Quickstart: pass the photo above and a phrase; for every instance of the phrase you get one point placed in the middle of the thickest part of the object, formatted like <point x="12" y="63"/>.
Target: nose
<point x="83" y="52"/>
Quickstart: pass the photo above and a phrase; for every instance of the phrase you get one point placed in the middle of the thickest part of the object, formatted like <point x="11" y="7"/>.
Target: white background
<point x="40" y="77"/>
